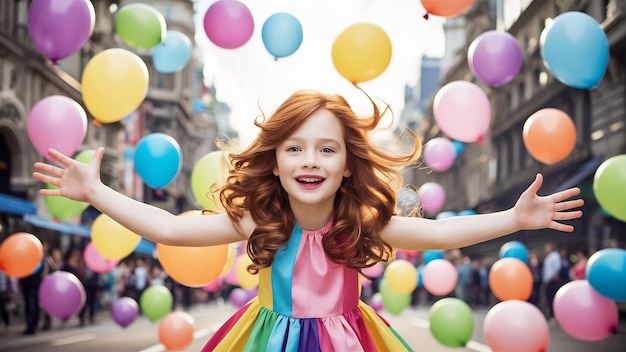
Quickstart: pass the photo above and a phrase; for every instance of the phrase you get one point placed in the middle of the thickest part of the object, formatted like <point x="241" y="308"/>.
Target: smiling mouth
<point x="310" y="180"/>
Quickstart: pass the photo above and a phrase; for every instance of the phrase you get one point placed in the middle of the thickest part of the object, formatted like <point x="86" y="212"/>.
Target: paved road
<point x="141" y="335"/>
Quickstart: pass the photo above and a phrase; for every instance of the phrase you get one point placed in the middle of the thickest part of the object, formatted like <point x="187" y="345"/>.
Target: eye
<point x="327" y="150"/>
<point x="293" y="149"/>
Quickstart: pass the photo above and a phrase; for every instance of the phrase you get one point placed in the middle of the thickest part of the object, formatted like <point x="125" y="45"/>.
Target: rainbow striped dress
<point x="306" y="302"/>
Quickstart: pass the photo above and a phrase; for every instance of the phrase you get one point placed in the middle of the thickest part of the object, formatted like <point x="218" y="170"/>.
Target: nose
<point x="310" y="160"/>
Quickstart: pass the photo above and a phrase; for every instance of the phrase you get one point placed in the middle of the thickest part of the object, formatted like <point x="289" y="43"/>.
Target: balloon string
<point x="97" y="123"/>
<point x="426" y="16"/>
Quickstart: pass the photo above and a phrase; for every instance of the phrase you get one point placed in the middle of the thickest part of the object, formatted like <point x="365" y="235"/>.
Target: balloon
<point x="59" y="28"/>
<point x="361" y="52"/>
<point x="229" y="24"/>
<point x="510" y="278"/>
<point x="176" y="330"/>
<point x="514" y="249"/>
<point x="446" y="214"/>
<point x="281" y="34"/>
<point x="609" y="186"/>
<point x="61" y="294"/>
<point x="458" y="147"/>
<point x="606" y="272"/>
<point x="431" y="255"/>
<point x="432" y="196"/>
<point x="374" y="271"/>
<point x="439" y="154"/>
<point x="96" y="262"/>
<point x="20" y="254"/>
<point x="393" y="302"/>
<point x="239" y="297"/>
<point x="156" y="301"/>
<point x="376" y="302"/>
<point x="466" y="212"/>
<point x="549" y="135"/>
<point x="495" y="57"/>
<point x="462" y="111"/>
<point x="208" y="172"/>
<point x="584" y="313"/>
<point x="62" y="208"/>
<point x="173" y="55"/>
<point x="55" y="116"/>
<point x="446" y="8"/>
<point x="112" y="240"/>
<point x="158" y="159"/>
<point x="140" y="26"/>
<point x="516" y="326"/>
<point x="177" y="261"/>
<point x="244" y="278"/>
<point x="401" y="276"/>
<point x="214" y="285"/>
<point x="575" y="49"/>
<point x="114" y="83"/>
<point x="451" y="322"/>
<point x="440" y="277"/>
<point x="124" y="310"/>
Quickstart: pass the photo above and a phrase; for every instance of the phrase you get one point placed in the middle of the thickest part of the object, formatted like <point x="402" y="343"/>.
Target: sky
<point x="249" y="79"/>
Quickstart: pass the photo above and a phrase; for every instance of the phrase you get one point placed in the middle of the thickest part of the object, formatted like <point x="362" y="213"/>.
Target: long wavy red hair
<point x="364" y="203"/>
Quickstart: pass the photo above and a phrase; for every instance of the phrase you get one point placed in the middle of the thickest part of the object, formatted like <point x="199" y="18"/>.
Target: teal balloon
<point x="514" y="249"/>
<point x="173" y="55"/>
<point x="393" y="302"/>
<point x="451" y="322"/>
<point x="606" y="273"/>
<point x="158" y="159"/>
<point x="155" y="302"/>
<point x="61" y="208"/>
<point x="609" y="186"/>
<point x="431" y="255"/>
<point x="282" y="34"/>
<point x="575" y="50"/>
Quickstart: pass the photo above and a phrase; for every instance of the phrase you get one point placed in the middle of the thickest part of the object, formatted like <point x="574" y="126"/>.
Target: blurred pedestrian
<point x="29" y="286"/>
<point x="551" y="277"/>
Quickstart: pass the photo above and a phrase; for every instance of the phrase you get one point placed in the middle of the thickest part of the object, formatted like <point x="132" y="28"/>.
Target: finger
<point x="570" y="204"/>
<point x="534" y="187"/>
<point x="48" y="169"/>
<point x="567" y="215"/>
<point x="46" y="178"/>
<point x="60" y="157"/>
<point x="568" y="193"/>
<point x="50" y="192"/>
<point x="561" y="227"/>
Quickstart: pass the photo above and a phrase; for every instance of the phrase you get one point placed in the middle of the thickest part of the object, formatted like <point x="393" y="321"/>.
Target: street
<point x="141" y="335"/>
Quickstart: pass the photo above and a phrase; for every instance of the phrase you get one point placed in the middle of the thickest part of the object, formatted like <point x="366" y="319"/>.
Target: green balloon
<point x="62" y="208"/>
<point x="155" y="302"/>
<point x="206" y="174"/>
<point x="140" y="26"/>
<point x="393" y="302"/>
<point x="451" y="322"/>
<point x="609" y="186"/>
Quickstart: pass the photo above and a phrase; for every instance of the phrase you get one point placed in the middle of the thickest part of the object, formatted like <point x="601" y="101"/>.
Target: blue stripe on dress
<point x="282" y="273"/>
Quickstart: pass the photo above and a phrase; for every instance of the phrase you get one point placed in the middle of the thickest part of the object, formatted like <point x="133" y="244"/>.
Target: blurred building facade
<point x="490" y="176"/>
<point x="177" y="104"/>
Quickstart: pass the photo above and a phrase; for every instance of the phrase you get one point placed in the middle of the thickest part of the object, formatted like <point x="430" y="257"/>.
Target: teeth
<point x="309" y="180"/>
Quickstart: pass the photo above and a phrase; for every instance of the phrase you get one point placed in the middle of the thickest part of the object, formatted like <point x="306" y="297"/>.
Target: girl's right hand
<point x="74" y="179"/>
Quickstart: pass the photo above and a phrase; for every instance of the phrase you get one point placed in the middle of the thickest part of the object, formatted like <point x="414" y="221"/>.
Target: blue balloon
<point x="158" y="160"/>
<point x="606" y="273"/>
<point x="173" y="55"/>
<point x="429" y="256"/>
<point x="282" y="34"/>
<point x="446" y="214"/>
<point x="420" y="271"/>
<point x="514" y="249"/>
<point x="458" y="147"/>
<point x="467" y="212"/>
<point x="575" y="50"/>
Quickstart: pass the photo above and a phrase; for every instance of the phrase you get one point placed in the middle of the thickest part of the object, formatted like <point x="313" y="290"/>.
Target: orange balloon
<point x="446" y="8"/>
<point x="176" y="330"/>
<point x="20" y="254"/>
<point x="510" y="278"/>
<point x="192" y="266"/>
<point x="549" y="135"/>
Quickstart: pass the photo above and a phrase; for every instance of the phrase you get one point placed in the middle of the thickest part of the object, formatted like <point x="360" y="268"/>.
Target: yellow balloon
<point x="210" y="171"/>
<point x="246" y="280"/>
<point x="230" y="259"/>
<point x="401" y="276"/>
<point x="361" y="52"/>
<point x="114" y="84"/>
<point x="112" y="240"/>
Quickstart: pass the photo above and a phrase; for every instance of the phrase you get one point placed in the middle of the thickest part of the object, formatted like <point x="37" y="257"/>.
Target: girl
<point x="315" y="200"/>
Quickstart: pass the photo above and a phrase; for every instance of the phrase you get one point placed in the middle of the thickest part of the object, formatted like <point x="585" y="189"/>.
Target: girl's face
<point x="311" y="163"/>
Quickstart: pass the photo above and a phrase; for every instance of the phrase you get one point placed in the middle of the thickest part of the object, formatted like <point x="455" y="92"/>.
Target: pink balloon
<point x="462" y="111"/>
<point x="56" y="122"/>
<point x="96" y="262"/>
<point x="432" y="196"/>
<point x="374" y="271"/>
<point x="439" y="277"/>
<point x="439" y="154"/>
<point x="376" y="302"/>
<point x="516" y="325"/>
<point x="214" y="285"/>
<point x="584" y="313"/>
<point x="61" y="294"/>
<point x="228" y="23"/>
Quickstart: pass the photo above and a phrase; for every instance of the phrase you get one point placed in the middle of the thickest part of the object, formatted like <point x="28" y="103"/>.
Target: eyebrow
<point x="318" y="141"/>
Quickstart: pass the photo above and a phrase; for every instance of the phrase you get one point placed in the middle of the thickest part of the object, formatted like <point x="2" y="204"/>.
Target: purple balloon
<point x="495" y="57"/>
<point x="239" y="297"/>
<point x="439" y="154"/>
<point x="124" y="310"/>
<point x="58" y="28"/>
<point x="432" y="197"/>
<point x="228" y="23"/>
<point x="61" y="294"/>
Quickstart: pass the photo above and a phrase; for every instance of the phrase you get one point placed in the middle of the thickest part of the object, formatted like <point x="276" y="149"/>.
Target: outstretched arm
<point x="531" y="212"/>
<point x="81" y="182"/>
